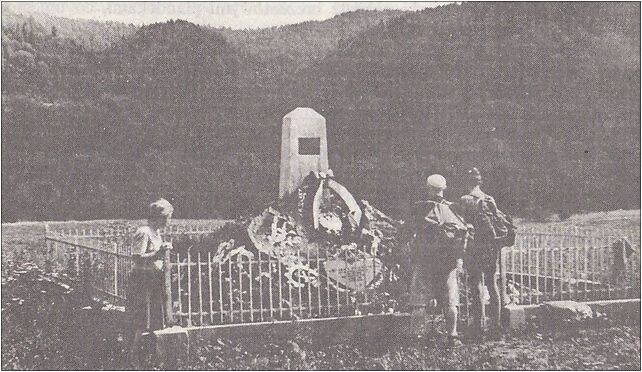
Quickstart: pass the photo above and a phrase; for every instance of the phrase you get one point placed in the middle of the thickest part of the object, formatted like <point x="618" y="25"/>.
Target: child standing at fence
<point x="146" y="281"/>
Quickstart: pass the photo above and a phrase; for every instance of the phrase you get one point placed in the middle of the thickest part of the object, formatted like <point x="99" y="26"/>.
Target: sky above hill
<point x="218" y="14"/>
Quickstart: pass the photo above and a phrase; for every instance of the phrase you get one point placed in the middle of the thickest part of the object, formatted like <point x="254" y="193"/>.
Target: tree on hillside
<point x="543" y="97"/>
<point x="444" y="76"/>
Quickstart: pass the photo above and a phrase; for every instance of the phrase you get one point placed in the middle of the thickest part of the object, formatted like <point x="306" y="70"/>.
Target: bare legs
<point x="480" y="277"/>
<point x="451" y="308"/>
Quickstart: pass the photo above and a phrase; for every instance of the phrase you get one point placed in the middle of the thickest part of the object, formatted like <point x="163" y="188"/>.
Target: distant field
<point x="21" y="240"/>
<point x="620" y="219"/>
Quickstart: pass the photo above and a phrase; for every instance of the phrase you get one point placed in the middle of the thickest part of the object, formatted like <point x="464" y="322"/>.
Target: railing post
<point x="502" y="277"/>
<point x="77" y="251"/>
<point x="189" y="288"/>
<point x="57" y="257"/>
<point x="167" y="268"/>
<point x="47" y="247"/>
<point x="115" y="250"/>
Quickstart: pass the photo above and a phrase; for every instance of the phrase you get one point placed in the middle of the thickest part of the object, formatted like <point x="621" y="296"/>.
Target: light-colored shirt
<point x="147" y="240"/>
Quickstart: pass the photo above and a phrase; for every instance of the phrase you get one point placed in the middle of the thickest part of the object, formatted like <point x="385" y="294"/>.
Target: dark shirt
<point x="475" y="208"/>
<point x="439" y="231"/>
<point x="423" y="216"/>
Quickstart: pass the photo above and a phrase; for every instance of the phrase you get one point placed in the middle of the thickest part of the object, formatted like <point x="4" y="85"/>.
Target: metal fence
<point x="99" y="258"/>
<point x="101" y="266"/>
<point x="570" y="263"/>
<point x="237" y="285"/>
<point x="228" y="283"/>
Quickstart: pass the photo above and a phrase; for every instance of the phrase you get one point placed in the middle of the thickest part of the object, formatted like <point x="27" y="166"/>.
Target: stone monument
<point x="304" y="148"/>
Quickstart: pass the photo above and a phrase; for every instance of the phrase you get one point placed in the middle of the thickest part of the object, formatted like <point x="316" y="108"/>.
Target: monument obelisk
<point x="304" y="148"/>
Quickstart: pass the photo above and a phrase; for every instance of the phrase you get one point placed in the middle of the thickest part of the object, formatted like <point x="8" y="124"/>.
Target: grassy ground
<point x="45" y="327"/>
<point x="48" y="327"/>
<point x="21" y="241"/>
<point x="608" y="347"/>
<point x="620" y="219"/>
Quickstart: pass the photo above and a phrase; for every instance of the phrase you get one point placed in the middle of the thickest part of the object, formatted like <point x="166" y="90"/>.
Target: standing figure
<point x="493" y="230"/>
<point x="438" y="246"/>
<point x="145" y="296"/>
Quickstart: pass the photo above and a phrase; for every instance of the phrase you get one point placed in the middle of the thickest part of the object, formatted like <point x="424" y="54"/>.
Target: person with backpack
<point x="437" y="248"/>
<point x="493" y="231"/>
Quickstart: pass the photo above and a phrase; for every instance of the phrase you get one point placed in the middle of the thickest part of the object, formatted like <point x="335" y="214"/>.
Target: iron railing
<point x="99" y="258"/>
<point x="235" y="285"/>
<point x="227" y="283"/>
<point x="570" y="263"/>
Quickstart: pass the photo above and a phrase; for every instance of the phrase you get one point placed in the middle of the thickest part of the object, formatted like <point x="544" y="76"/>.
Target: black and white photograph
<point x="320" y="185"/>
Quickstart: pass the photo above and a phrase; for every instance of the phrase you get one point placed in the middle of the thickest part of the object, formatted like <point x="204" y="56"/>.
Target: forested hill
<point x="271" y="57"/>
<point x="96" y="130"/>
<point x="293" y="47"/>
<point x="542" y="97"/>
<point x="90" y="34"/>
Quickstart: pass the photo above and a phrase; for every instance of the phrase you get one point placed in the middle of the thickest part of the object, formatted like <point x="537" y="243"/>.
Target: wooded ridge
<point x="100" y="118"/>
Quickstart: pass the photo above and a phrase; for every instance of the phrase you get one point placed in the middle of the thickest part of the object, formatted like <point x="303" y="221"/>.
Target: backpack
<point x="442" y="226"/>
<point x="499" y="226"/>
